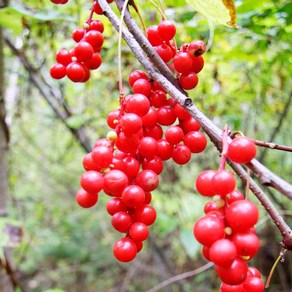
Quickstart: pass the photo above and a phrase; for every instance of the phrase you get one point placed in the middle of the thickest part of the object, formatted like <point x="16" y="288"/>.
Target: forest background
<point x="54" y="245"/>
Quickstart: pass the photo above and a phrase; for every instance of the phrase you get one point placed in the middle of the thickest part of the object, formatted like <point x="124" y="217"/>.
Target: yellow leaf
<point x="222" y="11"/>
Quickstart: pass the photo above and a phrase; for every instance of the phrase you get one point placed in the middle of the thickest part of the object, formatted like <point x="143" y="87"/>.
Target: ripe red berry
<point x="182" y="63"/>
<point x="147" y="179"/>
<point x="155" y="164"/>
<point x="92" y="181"/>
<point x="75" y="72"/>
<point x="148" y="147"/>
<point x="242" y="150"/>
<point x="197" y="64"/>
<point x="63" y="57"/>
<point x="96" y="25"/>
<point x="58" y="71"/>
<point x="130" y="124"/>
<point x="166" y="115"/>
<point x="135" y="75"/>
<point x="181" y="154"/>
<point x="235" y="274"/>
<point x="138" y="104"/>
<point x="138" y="231"/>
<point x="209" y="229"/>
<point x="166" y="30"/>
<point x="142" y="86"/>
<point x="115" y="205"/>
<point x="242" y="215"/>
<point x="203" y="183"/>
<point x="196" y="141"/>
<point x="223" y="182"/>
<point x="115" y="181"/>
<point x="188" y="81"/>
<point x="102" y="156"/>
<point x="153" y="35"/>
<point x="85" y="199"/>
<point x="165" y="52"/>
<point x="83" y="51"/>
<point x="78" y="34"/>
<point x="94" y="62"/>
<point x="222" y="252"/>
<point x="253" y="284"/>
<point x="145" y="214"/>
<point x="174" y="135"/>
<point x="121" y="221"/>
<point x="125" y="250"/>
<point x="164" y="149"/>
<point x="196" y="48"/>
<point x="133" y="196"/>
<point x="247" y="244"/>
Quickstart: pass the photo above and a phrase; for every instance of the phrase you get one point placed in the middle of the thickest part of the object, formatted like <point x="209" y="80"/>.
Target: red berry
<point x="153" y="35"/>
<point x="147" y="179"/>
<point x="121" y="221"/>
<point x="182" y="63"/>
<point x="96" y="25"/>
<point x="155" y="132"/>
<point x="242" y="215"/>
<point x="155" y="164"/>
<point x="128" y="144"/>
<point x="131" y="166"/>
<point x="181" y="154"/>
<point x="83" y="51"/>
<point x="174" y="135"/>
<point x="94" y="62"/>
<point x="102" y="156"/>
<point x="196" y="141"/>
<point x="148" y="147"/>
<point x="135" y="75"/>
<point x="115" y="181"/>
<point x="242" y="150"/>
<point x="125" y="250"/>
<point x="209" y="229"/>
<point x="234" y="274"/>
<point x="222" y="252"/>
<point x="133" y="196"/>
<point x="166" y="115"/>
<point x="190" y="124"/>
<point x="196" y="48"/>
<point x="138" y="104"/>
<point x="188" y="81"/>
<point x="203" y="183"/>
<point x="63" y="57"/>
<point x="165" y="52"/>
<point x="85" y="199"/>
<point x="58" y="71"/>
<point x="145" y="214"/>
<point x="92" y="181"/>
<point x="247" y="244"/>
<point x="164" y="149"/>
<point x="231" y="288"/>
<point x="223" y="182"/>
<point x="253" y="284"/>
<point x="197" y="64"/>
<point x="78" y="34"/>
<point x="166" y="30"/>
<point x="138" y="231"/>
<point x="115" y="205"/>
<point x="130" y="124"/>
<point x="142" y="86"/>
<point x="75" y="72"/>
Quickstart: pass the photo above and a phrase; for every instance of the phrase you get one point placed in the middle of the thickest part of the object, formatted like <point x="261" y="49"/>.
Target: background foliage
<point x="246" y="83"/>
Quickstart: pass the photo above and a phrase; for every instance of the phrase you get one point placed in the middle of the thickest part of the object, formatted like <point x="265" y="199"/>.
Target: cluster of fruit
<point x="186" y="62"/>
<point x="227" y="230"/>
<point x="78" y="62"/>
<point x="147" y="129"/>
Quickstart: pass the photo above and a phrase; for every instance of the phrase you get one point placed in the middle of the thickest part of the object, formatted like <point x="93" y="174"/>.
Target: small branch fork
<point x="215" y="134"/>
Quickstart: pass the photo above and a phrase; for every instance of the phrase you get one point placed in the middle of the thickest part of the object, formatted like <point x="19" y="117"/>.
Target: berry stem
<point x="91" y="13"/>
<point x="224" y="152"/>
<point x="279" y="258"/>
<point x="159" y="10"/>
<point x="121" y="86"/>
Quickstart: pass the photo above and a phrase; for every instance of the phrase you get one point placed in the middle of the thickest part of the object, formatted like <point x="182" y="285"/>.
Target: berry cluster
<point x="78" y="62"/>
<point x="147" y="129"/>
<point x="227" y="230"/>
<point x="186" y="62"/>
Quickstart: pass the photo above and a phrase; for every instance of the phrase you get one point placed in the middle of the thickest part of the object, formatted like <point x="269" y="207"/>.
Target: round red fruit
<point x="223" y="182"/>
<point x="242" y="150"/>
<point x="85" y="199"/>
<point x="138" y="231"/>
<point x="125" y="250"/>
<point x="166" y="30"/>
<point x="133" y="196"/>
<point x="203" y="183"/>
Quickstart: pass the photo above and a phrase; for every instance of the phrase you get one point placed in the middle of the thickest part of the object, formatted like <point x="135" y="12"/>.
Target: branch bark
<point x="214" y="133"/>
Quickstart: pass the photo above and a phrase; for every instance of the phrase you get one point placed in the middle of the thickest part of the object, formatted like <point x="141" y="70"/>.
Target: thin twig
<point x="273" y="145"/>
<point x="181" y="277"/>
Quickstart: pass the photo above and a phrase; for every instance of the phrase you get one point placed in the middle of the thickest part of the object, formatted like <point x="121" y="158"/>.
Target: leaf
<point x="221" y="11"/>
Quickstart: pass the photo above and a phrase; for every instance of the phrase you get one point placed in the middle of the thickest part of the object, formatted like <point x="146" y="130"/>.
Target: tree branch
<point x="214" y="133"/>
<point x="50" y="96"/>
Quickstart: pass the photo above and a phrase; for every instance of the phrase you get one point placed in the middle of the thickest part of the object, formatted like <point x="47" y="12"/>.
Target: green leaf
<point x="221" y="11"/>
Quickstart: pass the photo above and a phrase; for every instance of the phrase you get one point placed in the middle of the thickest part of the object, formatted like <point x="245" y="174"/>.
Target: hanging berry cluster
<point x="227" y="230"/>
<point x="148" y="129"/>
